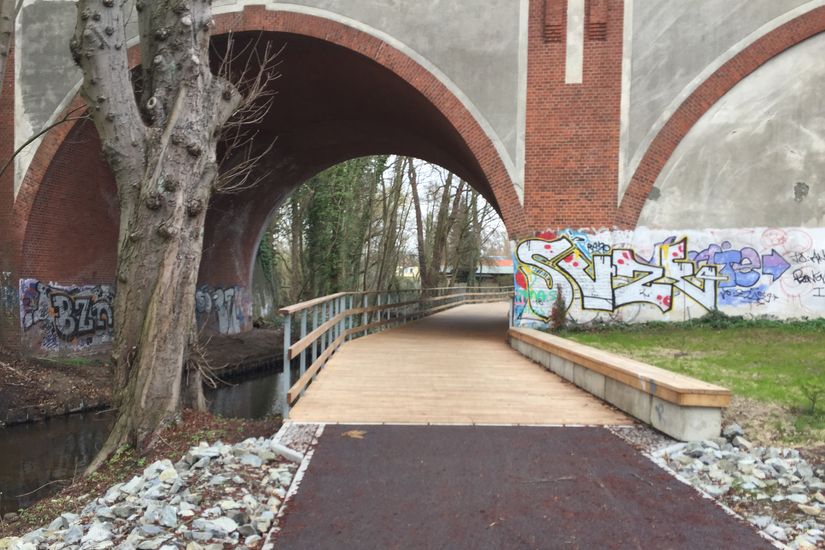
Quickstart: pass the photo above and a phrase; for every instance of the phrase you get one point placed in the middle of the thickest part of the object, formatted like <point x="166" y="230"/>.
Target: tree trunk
<point x="423" y="268"/>
<point x="296" y="281"/>
<point x="442" y="227"/>
<point x="164" y="162"/>
<point x="389" y="237"/>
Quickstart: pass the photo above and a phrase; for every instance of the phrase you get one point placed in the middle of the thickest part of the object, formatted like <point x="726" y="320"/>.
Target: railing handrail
<point x="295" y="308"/>
<point x="326" y="322"/>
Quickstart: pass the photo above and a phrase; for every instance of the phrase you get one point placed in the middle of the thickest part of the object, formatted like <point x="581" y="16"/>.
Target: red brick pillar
<point x="572" y="138"/>
<point x="9" y="317"/>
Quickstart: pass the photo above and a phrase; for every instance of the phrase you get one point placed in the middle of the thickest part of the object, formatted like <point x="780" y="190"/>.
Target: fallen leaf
<point x="354" y="434"/>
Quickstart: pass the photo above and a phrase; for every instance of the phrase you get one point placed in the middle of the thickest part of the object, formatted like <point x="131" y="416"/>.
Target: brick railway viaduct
<point x="599" y="114"/>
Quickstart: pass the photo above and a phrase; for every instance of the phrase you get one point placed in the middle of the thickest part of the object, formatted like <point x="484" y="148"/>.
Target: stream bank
<point x="34" y="389"/>
<point x="72" y="493"/>
<point x="41" y="457"/>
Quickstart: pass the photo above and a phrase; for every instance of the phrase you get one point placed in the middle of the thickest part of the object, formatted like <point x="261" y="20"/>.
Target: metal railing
<point x="315" y="329"/>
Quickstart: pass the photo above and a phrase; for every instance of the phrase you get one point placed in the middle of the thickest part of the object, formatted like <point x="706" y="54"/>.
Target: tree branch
<point x="99" y="48"/>
<point x="66" y="118"/>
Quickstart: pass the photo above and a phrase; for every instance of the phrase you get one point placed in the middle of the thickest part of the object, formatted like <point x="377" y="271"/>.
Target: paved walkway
<point x="454" y="367"/>
<point x="491" y="487"/>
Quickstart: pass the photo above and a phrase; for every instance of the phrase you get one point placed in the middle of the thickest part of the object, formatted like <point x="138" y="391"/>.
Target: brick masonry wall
<point x="64" y="222"/>
<point x="71" y="235"/>
<point x="572" y="141"/>
<point x="9" y="331"/>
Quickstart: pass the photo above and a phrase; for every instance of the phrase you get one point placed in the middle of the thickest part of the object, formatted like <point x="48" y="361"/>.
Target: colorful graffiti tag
<point x="653" y="274"/>
<point x="224" y="310"/>
<point x="55" y="317"/>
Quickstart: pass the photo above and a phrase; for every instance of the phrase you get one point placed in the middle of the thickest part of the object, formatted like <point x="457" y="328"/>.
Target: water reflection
<point x="32" y="455"/>
<point x="253" y="396"/>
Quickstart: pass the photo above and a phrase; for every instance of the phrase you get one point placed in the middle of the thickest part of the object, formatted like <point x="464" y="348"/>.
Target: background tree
<point x="357" y="225"/>
<point x="161" y="145"/>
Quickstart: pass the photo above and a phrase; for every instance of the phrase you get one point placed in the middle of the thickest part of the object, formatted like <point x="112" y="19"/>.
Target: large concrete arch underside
<point x="750" y="68"/>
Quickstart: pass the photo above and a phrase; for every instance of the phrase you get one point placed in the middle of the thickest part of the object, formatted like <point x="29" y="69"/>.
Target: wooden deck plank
<point x="453" y="367"/>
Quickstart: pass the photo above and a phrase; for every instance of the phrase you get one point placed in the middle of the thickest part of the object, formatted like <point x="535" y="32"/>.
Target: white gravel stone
<point x="148" y="511"/>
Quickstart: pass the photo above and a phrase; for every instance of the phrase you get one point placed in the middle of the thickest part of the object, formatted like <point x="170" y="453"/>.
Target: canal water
<point x="36" y="458"/>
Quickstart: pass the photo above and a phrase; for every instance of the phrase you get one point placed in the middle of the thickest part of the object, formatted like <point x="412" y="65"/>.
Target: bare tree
<point x="161" y="145"/>
<point x="423" y="265"/>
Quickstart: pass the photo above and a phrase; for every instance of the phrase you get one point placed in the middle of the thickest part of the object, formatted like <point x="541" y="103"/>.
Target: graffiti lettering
<point x="808" y="276"/>
<point x="812" y="257"/>
<point x="65" y="317"/>
<point x="55" y="317"/>
<point x="221" y="309"/>
<point x="8" y="294"/>
<point x="741" y="267"/>
<point x="606" y="282"/>
<point x="746" y="295"/>
<point x="650" y="272"/>
<point x="598" y="248"/>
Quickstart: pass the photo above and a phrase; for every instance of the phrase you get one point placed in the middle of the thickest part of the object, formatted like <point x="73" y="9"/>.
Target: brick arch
<point x="703" y="98"/>
<point x="258" y="18"/>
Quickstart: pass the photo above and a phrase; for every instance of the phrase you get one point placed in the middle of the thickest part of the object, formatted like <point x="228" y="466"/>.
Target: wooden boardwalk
<point x="453" y="367"/>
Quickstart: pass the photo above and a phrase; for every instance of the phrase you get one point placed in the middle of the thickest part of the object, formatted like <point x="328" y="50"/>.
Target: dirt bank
<point x="36" y="388"/>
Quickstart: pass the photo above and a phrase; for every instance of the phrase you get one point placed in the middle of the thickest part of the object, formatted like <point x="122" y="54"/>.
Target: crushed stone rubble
<point x="773" y="488"/>
<point x="216" y="496"/>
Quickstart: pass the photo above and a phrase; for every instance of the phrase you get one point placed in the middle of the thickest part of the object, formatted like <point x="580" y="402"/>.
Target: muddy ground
<point x="36" y="388"/>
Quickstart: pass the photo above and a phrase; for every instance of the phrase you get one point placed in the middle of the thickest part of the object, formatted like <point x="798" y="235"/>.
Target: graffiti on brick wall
<point x="654" y="274"/>
<point x="9" y="297"/>
<point x="224" y="310"/>
<point x="55" y="317"/>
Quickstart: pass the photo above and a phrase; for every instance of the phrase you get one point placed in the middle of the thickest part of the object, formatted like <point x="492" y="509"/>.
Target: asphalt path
<point x="476" y="487"/>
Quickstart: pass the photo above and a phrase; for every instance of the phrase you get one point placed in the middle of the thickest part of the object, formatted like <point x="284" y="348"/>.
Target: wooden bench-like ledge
<point x="678" y="405"/>
<point x="670" y="386"/>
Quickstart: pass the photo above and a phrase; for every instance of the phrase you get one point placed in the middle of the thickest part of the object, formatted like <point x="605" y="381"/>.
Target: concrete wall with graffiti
<point x="57" y="318"/>
<point x="224" y="310"/>
<point x="656" y="274"/>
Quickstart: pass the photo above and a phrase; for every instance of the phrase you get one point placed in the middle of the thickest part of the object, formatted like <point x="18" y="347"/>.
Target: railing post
<point x="364" y="314"/>
<point x="331" y="331"/>
<point x="341" y="308"/>
<point x="347" y="317"/>
<point x="285" y="376"/>
<point x="314" y="326"/>
<point x="303" y="333"/>
<point x="324" y="317"/>
<point x="378" y="311"/>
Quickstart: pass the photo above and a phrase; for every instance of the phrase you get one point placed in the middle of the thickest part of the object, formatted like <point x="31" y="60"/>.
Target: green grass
<point x="72" y="361"/>
<point x="769" y="361"/>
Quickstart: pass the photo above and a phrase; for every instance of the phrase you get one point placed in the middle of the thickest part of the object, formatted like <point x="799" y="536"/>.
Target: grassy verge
<point x="767" y="362"/>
